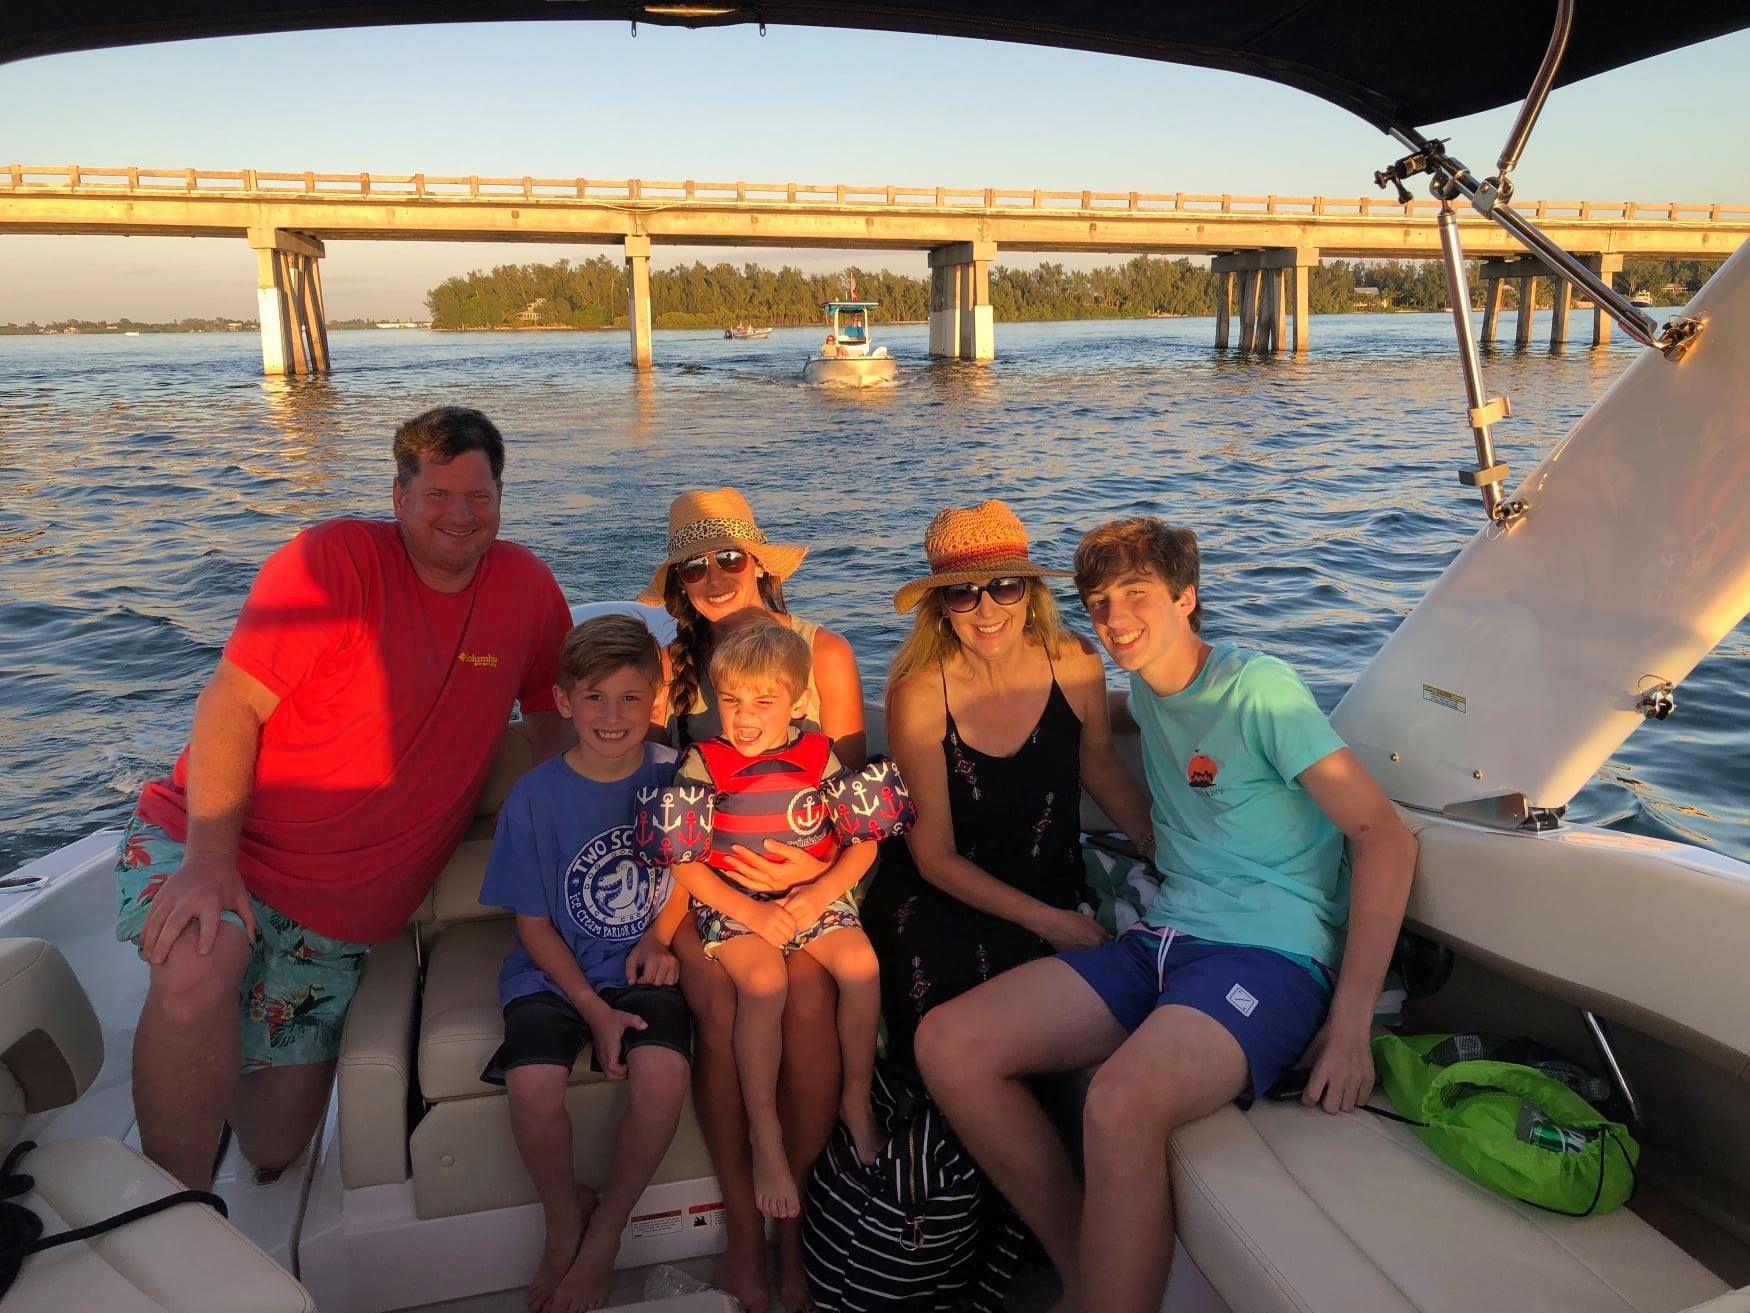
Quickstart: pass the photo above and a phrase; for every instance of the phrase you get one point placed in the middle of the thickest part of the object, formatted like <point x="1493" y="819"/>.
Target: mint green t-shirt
<point x="1244" y="853"/>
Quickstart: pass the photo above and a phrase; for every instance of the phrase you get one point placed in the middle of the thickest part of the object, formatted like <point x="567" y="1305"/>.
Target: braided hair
<point x="691" y="648"/>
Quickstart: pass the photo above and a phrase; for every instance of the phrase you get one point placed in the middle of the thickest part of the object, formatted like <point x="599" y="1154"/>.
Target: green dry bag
<point x="1509" y="1126"/>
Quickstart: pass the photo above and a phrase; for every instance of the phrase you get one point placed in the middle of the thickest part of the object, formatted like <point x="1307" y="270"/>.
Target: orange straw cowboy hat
<point x="700" y="522"/>
<point x="969" y="544"/>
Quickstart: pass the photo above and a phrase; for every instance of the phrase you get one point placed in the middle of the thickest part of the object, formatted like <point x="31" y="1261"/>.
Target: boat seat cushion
<point x="186" y="1259"/>
<point x="1289" y="1208"/>
<point x="461" y="1022"/>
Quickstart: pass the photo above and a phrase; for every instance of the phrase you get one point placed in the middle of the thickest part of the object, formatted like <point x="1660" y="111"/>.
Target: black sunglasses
<point x="1004" y="592"/>
<point x="730" y="560"/>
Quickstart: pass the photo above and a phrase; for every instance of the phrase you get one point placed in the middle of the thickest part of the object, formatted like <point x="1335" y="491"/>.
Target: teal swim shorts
<point x="298" y="984"/>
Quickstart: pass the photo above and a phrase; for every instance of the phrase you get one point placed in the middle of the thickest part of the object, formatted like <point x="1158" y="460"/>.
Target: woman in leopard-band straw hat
<point x="719" y="564"/>
<point x="997" y="717"/>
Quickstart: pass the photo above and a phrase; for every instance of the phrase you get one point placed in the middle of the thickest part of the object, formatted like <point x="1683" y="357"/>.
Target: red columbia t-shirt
<point x="393" y="700"/>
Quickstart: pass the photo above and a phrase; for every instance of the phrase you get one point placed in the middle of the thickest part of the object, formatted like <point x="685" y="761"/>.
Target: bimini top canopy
<point x="1400" y="65"/>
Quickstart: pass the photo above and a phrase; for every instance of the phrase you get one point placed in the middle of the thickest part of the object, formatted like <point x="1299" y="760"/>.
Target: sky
<point x="588" y="98"/>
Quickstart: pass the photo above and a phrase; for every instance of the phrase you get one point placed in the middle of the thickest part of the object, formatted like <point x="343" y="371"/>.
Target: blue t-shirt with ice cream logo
<point x="563" y="851"/>
<point x="1244" y="853"/>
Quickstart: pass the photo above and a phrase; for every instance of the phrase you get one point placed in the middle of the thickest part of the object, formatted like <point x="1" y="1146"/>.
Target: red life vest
<point x="775" y="795"/>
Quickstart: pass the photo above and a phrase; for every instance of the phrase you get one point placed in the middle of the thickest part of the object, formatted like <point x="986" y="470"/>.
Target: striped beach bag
<point x="919" y="1230"/>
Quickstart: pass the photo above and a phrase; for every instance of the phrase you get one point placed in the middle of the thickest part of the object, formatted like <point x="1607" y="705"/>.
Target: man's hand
<point x="1342" y="1066"/>
<point x="1065" y="930"/>
<point x="649" y="963"/>
<point x="198" y="891"/>
<point x="607" y="1030"/>
<point x="781" y="866"/>
<point x="772" y="922"/>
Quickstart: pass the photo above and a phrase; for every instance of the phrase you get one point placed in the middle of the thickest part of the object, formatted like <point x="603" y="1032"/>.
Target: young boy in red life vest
<point x="763" y="778"/>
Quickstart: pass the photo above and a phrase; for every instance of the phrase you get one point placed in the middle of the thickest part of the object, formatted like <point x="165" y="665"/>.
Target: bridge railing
<point x="259" y="183"/>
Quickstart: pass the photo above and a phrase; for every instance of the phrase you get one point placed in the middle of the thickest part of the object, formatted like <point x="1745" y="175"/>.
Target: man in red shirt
<point x="335" y="760"/>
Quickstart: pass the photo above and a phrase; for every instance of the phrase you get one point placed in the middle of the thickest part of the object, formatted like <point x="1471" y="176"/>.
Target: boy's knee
<point x="763" y="982"/>
<point x="1124" y="1101"/>
<point x="537" y="1089"/>
<point x="945" y="1045"/>
<point x="659" y="1078"/>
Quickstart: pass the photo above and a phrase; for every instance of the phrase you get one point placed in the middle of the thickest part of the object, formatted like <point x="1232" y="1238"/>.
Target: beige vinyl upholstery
<point x="435" y="1035"/>
<point x="187" y="1258"/>
<point x="1288" y="1208"/>
<point x="51" y="1043"/>
<point x="1285" y="1208"/>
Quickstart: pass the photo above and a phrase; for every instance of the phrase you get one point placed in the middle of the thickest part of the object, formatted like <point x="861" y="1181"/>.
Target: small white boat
<point x="746" y="333"/>
<point x="847" y="358"/>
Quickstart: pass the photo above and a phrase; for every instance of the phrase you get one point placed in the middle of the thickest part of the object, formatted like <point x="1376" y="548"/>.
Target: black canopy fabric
<point x="1396" y="63"/>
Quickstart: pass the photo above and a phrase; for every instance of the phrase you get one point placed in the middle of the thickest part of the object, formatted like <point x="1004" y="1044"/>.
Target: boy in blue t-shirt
<point x="1266" y="945"/>
<point x="591" y="960"/>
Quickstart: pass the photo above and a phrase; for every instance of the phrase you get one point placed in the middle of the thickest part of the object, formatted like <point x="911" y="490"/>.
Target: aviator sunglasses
<point x="730" y="560"/>
<point x="964" y="597"/>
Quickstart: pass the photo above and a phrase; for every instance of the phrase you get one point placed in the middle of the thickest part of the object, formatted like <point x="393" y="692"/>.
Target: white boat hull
<point x="850" y="371"/>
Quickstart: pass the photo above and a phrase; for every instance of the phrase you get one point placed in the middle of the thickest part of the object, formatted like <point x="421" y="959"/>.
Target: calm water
<point x="149" y="476"/>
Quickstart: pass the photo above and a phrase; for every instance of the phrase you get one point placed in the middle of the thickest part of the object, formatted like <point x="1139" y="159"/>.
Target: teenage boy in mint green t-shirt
<point x="1284" y="873"/>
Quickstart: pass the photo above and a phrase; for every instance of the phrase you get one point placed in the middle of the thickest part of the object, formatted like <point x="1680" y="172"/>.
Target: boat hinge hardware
<point x="1659" y="701"/>
<point x="1505" y="811"/>
<point x="1451" y="180"/>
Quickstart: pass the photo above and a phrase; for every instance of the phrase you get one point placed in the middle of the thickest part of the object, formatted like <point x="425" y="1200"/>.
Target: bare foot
<point x="742" y="1272"/>
<point x="585" y="1285"/>
<point x="564" y="1234"/>
<point x="859" y="1118"/>
<point x="774" y="1189"/>
<point x="793" y="1291"/>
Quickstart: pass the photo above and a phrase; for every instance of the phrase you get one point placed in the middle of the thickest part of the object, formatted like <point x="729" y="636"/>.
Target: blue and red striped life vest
<point x="775" y="795"/>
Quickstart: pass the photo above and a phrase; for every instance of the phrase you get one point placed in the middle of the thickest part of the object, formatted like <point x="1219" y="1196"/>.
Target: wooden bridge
<point x="1264" y="246"/>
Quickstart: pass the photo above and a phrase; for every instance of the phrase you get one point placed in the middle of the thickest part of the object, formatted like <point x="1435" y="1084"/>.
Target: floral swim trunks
<point x="298" y="984"/>
<point x="715" y="927"/>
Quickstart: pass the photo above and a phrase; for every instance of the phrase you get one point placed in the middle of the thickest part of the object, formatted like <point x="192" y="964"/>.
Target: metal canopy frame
<point x="1450" y="180"/>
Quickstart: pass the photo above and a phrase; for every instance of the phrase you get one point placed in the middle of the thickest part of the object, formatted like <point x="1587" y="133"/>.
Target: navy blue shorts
<point x="1268" y="1002"/>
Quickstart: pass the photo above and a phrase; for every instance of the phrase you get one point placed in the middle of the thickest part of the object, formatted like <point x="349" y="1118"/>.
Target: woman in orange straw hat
<point x="997" y="716"/>
<point x="718" y="566"/>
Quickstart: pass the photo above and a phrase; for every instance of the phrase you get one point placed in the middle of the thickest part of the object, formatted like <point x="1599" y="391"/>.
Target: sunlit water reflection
<point x="150" y="475"/>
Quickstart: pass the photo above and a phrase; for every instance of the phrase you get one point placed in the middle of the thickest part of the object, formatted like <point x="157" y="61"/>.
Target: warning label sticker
<point x="703" y="1215"/>
<point x="1439" y="696"/>
<point x="649" y="1224"/>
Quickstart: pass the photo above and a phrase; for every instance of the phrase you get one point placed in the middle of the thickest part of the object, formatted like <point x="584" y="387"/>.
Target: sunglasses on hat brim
<point x="1005" y="591"/>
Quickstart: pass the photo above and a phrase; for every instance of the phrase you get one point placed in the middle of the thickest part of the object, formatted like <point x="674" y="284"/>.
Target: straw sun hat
<point x="700" y="522"/>
<point x="968" y="544"/>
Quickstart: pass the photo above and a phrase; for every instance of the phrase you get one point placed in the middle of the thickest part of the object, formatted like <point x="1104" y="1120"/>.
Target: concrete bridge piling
<point x="962" y="322"/>
<point x="1524" y="272"/>
<point x="1272" y="285"/>
<point x="638" y="298"/>
<point x="294" y="328"/>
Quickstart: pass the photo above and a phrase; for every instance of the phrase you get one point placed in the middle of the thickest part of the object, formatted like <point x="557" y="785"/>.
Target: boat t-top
<point x="847" y="358"/>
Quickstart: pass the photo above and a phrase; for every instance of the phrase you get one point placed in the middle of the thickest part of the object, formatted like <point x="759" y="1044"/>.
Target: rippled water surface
<point x="149" y="476"/>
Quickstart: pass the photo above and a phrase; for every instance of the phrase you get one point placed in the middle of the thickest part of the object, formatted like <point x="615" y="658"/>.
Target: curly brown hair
<point x="1141" y="542"/>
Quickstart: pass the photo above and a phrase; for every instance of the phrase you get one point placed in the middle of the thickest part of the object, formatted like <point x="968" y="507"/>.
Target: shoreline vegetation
<point x="591" y="294"/>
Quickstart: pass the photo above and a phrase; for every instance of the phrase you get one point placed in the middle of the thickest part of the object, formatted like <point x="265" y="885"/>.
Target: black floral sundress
<point x="1018" y="818"/>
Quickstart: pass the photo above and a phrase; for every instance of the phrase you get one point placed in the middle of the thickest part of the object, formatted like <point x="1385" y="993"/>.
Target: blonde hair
<point x="932" y="641"/>
<point x="758" y="650"/>
<point x="598" y="647"/>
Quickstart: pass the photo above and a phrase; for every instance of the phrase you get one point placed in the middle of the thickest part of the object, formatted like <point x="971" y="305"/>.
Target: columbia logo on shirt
<point x="1242" y="1000"/>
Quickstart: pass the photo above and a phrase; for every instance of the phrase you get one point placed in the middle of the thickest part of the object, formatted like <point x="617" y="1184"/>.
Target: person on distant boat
<point x="1232" y="977"/>
<point x="831" y="348"/>
<point x="718" y="563"/>
<point x="591" y="960"/>
<point x="335" y="759"/>
<point x="997" y="717"/>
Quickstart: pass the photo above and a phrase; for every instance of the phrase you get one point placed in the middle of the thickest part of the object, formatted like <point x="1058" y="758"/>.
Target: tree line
<point x="592" y="293"/>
